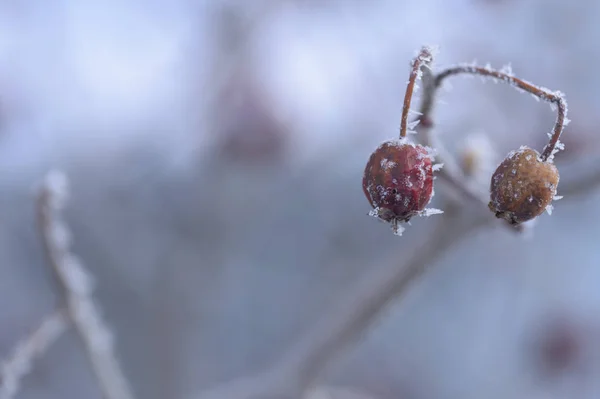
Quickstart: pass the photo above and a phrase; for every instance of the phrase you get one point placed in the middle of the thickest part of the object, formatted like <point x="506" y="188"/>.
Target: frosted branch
<point x="423" y="59"/>
<point x="75" y="286"/>
<point x="557" y="98"/>
<point x="20" y="362"/>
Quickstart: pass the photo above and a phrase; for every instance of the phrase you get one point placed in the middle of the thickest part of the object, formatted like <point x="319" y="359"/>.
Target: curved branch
<point x="451" y="173"/>
<point x="539" y="92"/>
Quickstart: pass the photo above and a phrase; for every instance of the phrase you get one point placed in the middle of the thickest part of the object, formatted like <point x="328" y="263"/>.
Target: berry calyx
<point x="523" y="186"/>
<point x="398" y="181"/>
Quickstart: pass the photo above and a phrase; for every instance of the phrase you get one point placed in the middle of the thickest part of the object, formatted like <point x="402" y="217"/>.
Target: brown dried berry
<point x="523" y="186"/>
<point x="398" y="180"/>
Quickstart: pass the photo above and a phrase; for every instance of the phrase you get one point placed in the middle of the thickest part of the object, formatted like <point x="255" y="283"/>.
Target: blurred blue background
<point x="215" y="151"/>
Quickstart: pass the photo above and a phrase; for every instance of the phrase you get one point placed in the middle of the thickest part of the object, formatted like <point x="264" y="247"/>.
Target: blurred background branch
<point x="76" y="287"/>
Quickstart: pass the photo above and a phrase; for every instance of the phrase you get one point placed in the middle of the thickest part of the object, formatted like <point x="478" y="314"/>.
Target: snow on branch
<point x="20" y="362"/>
<point x="555" y="98"/>
<point x="75" y="286"/>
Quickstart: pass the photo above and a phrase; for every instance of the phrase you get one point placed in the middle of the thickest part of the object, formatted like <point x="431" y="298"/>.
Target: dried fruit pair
<point x="398" y="178"/>
<point x="398" y="182"/>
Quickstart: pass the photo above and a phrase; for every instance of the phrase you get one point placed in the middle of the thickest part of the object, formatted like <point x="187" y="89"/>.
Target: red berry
<point x="398" y="180"/>
<point x="523" y="186"/>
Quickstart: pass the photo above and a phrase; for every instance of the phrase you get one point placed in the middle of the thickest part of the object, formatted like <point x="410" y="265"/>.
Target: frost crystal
<point x="430" y="211"/>
<point x="412" y="125"/>
<point x="419" y="75"/>
<point x="431" y="153"/>
<point x="507" y="70"/>
<point x="549" y="209"/>
<point x="396" y="142"/>
<point x="398" y="229"/>
<point x="386" y="164"/>
<point x="374" y="212"/>
<point x="558" y="147"/>
<point x="557" y="197"/>
<point x="437" y="167"/>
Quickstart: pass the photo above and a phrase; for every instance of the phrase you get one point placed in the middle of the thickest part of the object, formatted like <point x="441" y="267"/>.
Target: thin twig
<point x="19" y="364"/>
<point x="75" y="288"/>
<point x="544" y="94"/>
<point x="423" y="59"/>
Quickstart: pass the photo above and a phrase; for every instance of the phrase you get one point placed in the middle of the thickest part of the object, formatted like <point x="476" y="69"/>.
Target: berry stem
<point x="423" y="59"/>
<point x="542" y="93"/>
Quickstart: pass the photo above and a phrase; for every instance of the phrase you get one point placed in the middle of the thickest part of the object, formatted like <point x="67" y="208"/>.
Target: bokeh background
<point x="215" y="151"/>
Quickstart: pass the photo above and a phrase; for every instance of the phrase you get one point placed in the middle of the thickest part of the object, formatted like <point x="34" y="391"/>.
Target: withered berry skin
<point x="522" y="186"/>
<point x="398" y="180"/>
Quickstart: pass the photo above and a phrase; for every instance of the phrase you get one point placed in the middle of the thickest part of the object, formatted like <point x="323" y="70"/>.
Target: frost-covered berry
<point x="523" y="186"/>
<point x="398" y="180"/>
